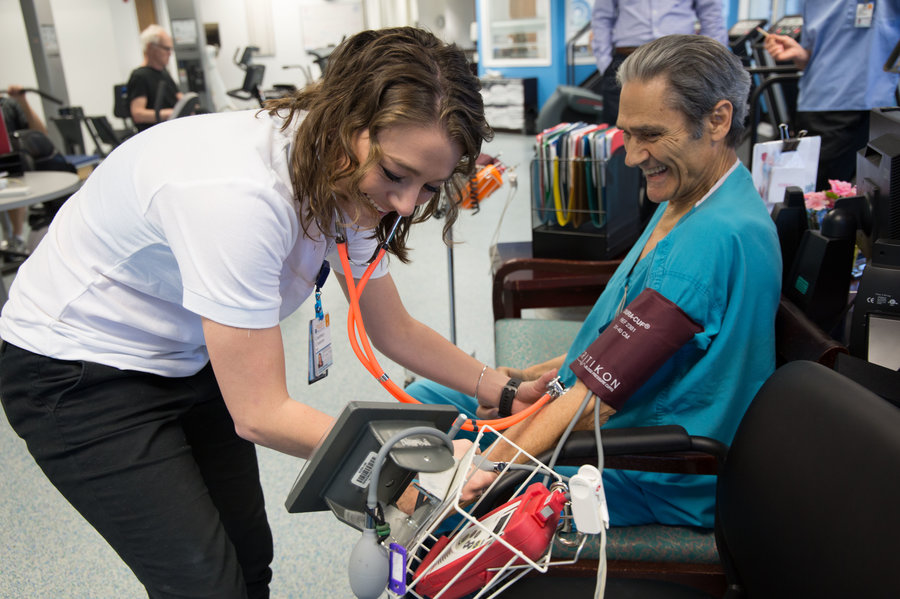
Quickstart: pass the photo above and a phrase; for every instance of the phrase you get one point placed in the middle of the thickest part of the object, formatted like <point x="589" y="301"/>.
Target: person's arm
<point x="533" y="372"/>
<point x="17" y="93"/>
<point x="141" y="113"/>
<point x="539" y="433"/>
<point x="712" y="23"/>
<point x="603" y="19"/>
<point x="249" y="367"/>
<point x="405" y="340"/>
<point x="542" y="431"/>
<point x="784" y="47"/>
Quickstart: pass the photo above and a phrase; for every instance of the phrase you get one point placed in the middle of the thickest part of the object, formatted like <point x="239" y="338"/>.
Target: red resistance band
<point x="636" y="343"/>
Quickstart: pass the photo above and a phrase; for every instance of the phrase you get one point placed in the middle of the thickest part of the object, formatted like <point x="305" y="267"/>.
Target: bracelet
<point x="507" y="395"/>
<point x="478" y="384"/>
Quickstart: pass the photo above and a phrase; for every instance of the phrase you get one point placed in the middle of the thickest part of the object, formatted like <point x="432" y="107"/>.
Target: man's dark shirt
<point x="145" y="82"/>
<point x="13" y="115"/>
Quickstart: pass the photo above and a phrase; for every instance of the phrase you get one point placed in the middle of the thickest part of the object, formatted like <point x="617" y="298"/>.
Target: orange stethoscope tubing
<point x="359" y="341"/>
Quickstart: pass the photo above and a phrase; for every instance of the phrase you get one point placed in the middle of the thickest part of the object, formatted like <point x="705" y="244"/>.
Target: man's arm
<point x="249" y="367"/>
<point x="539" y="433"/>
<point x="141" y="113"/>
<point x="712" y="23"/>
<point x="537" y="370"/>
<point x="17" y="93"/>
<point x="603" y="19"/>
<point x="542" y="431"/>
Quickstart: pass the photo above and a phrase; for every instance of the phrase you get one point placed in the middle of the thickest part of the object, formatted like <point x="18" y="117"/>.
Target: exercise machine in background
<point x="253" y="76"/>
<point x="252" y="88"/>
<point x="819" y="276"/>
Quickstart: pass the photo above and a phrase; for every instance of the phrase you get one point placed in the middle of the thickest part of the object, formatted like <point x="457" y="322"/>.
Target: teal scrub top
<point x="721" y="264"/>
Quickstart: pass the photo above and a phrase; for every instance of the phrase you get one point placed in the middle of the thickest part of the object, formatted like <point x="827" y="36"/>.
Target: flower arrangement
<point x="818" y="203"/>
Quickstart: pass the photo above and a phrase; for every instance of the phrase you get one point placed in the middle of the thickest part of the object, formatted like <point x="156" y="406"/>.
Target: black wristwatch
<point x="507" y="395"/>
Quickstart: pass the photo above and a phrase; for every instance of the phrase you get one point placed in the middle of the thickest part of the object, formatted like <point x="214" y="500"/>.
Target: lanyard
<point x="320" y="281"/>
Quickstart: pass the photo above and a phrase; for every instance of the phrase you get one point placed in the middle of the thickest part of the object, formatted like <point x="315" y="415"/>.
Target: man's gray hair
<point x="151" y="35"/>
<point x="700" y="72"/>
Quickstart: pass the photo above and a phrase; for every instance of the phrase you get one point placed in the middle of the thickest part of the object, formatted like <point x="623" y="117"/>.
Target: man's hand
<point x="476" y="485"/>
<point x="407" y="500"/>
<point x="513" y="373"/>
<point x="16" y="92"/>
<point x="528" y="393"/>
<point x="784" y="47"/>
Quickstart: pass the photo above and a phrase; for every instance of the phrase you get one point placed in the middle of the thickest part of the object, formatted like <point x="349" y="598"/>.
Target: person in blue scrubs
<point x="842" y="51"/>
<point x="711" y="248"/>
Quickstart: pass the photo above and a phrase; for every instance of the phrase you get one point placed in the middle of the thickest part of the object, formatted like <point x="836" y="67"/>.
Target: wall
<point x="290" y="47"/>
<point x="16" y="67"/>
<point x="99" y="41"/>
<point x="98" y="47"/>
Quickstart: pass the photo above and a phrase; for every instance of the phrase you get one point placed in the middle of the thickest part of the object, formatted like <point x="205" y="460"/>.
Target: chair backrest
<point x="121" y="108"/>
<point x="809" y="497"/>
<point x="104" y="130"/>
<point x="70" y="130"/>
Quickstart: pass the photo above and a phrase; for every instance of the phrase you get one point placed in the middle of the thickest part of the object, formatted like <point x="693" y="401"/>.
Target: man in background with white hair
<point x="152" y="93"/>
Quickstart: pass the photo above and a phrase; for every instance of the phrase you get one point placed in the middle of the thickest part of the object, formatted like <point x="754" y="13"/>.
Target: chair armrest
<point x="799" y="338"/>
<point x="651" y="449"/>
<point x="555" y="275"/>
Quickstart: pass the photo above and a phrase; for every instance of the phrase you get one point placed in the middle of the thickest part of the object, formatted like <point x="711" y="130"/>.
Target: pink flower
<point x="817" y="200"/>
<point x="841" y="188"/>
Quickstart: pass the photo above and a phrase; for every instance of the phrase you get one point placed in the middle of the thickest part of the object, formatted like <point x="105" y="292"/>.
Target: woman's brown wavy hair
<point x="374" y="80"/>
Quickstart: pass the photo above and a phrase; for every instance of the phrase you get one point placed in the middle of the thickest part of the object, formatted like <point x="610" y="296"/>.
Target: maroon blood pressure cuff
<point x="635" y="344"/>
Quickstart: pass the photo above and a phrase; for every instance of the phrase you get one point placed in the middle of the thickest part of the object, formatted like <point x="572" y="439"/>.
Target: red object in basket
<point x="527" y="523"/>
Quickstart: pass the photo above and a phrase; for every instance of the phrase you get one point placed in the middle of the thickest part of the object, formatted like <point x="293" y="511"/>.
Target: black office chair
<point x="121" y="107"/>
<point x="807" y="498"/>
<point x="69" y="128"/>
<point x="103" y="132"/>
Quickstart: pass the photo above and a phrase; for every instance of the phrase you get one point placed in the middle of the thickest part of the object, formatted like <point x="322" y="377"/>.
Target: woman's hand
<point x="528" y="393"/>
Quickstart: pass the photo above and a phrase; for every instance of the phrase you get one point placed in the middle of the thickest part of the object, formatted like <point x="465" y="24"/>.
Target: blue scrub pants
<point x="154" y="464"/>
<point x="629" y="503"/>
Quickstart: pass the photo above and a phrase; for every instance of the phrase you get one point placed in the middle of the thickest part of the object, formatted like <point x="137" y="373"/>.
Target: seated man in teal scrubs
<point x="710" y="248"/>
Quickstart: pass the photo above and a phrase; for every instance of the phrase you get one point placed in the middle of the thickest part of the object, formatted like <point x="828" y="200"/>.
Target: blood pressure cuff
<point x="635" y="344"/>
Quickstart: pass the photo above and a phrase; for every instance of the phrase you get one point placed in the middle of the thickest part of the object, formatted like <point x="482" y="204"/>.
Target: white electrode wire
<point x="566" y="433"/>
<point x="513" y="186"/>
<point x="597" y="439"/>
<point x="600" y="589"/>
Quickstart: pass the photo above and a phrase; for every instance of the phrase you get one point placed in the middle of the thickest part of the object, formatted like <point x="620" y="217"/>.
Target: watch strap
<point x="507" y="395"/>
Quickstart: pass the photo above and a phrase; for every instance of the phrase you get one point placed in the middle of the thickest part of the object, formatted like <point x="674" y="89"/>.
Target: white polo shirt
<point x="191" y="218"/>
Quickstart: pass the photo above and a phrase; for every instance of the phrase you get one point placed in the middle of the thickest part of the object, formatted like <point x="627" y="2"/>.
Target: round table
<point x="42" y="186"/>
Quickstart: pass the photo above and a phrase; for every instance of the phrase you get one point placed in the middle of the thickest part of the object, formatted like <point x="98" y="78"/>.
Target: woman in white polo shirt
<point x="142" y="354"/>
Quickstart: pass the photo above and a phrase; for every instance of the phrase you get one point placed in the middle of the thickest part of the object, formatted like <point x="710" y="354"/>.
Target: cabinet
<point x="510" y="104"/>
<point x="515" y="33"/>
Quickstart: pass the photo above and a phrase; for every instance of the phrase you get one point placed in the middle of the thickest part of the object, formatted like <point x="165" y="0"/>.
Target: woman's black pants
<point x="154" y="464"/>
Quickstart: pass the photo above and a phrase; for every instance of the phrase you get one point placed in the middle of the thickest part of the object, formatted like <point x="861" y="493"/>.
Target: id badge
<point x="320" y="358"/>
<point x="864" y="12"/>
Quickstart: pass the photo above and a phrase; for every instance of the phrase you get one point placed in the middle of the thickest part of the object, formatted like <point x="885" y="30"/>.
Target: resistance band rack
<point x="586" y="202"/>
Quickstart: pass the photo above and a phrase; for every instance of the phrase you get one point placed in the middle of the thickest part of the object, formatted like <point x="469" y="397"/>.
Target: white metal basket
<point x="476" y="537"/>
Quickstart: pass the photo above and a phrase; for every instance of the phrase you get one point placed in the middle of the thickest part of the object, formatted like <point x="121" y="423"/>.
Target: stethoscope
<point x="359" y="341"/>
